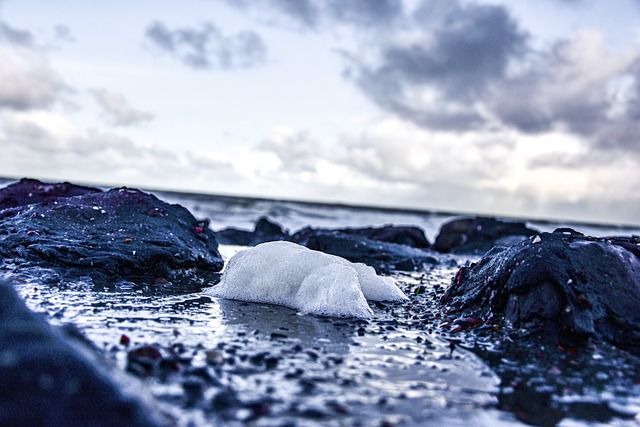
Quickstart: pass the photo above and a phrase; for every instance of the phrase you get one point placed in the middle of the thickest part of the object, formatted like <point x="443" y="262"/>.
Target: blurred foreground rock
<point x="48" y="381"/>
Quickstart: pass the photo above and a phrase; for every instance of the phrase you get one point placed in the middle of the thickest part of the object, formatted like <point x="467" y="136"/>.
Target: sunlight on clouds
<point x="332" y="174"/>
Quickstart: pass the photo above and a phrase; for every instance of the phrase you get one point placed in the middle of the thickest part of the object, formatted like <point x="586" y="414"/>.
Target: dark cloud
<point x="365" y="13"/>
<point x="395" y="95"/>
<point x="435" y="79"/>
<point x="634" y="103"/>
<point x="473" y="46"/>
<point x="118" y="110"/>
<point x="63" y="33"/>
<point x="464" y="66"/>
<point x="205" y="47"/>
<point x="15" y="36"/>
<point x="313" y="14"/>
<point x="305" y="12"/>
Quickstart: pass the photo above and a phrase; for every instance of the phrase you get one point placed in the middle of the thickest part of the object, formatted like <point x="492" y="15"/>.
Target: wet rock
<point x="48" y="382"/>
<point x="264" y="231"/>
<point x="574" y="287"/>
<point x="118" y="235"/>
<point x="383" y="256"/>
<point x="477" y="235"/>
<point x="401" y="235"/>
<point x="28" y="191"/>
<point x="385" y="248"/>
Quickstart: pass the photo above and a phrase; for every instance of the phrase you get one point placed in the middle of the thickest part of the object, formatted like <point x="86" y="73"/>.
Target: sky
<point x="525" y="108"/>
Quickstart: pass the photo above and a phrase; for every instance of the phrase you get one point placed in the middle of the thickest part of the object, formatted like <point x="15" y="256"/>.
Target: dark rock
<point x="118" y="235"/>
<point x="385" y="248"/>
<point x="574" y="286"/>
<point x="264" y="231"/>
<point x="29" y="191"/>
<point x="401" y="235"/>
<point x="477" y="235"/>
<point x="48" y="382"/>
<point x="382" y="256"/>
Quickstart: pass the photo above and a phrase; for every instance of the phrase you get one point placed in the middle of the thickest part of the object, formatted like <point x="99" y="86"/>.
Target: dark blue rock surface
<point x="576" y="287"/>
<point x="361" y="245"/>
<point x="264" y="231"/>
<point x="117" y="235"/>
<point x="28" y="191"/>
<point x="386" y="248"/>
<point x="477" y="235"/>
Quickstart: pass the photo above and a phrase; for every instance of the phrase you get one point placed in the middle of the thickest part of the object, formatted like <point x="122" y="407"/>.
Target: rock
<point x="575" y="287"/>
<point x="401" y="235"/>
<point x="477" y="235"/>
<point x="264" y="231"/>
<point x="383" y="256"/>
<point x="385" y="248"/>
<point x="29" y="191"/>
<point x="48" y="382"/>
<point x="118" y="235"/>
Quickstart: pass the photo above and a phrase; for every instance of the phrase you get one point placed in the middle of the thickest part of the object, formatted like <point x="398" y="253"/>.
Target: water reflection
<point x="333" y="335"/>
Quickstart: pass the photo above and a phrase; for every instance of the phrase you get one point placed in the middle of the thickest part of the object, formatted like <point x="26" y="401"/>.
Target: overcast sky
<point x="521" y="107"/>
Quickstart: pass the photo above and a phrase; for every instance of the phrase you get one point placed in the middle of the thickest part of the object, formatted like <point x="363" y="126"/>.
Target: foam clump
<point x="312" y="282"/>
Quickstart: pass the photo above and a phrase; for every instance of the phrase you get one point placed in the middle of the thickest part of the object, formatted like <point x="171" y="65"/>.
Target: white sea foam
<point x="312" y="282"/>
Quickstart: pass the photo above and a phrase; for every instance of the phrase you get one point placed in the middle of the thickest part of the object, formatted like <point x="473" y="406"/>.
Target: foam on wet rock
<point x="312" y="282"/>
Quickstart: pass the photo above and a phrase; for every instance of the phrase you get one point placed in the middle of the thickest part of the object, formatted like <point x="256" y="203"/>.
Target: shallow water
<point x="306" y="370"/>
<point x="236" y="363"/>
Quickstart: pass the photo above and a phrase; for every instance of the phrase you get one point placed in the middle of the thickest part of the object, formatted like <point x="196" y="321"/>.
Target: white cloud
<point x="54" y="148"/>
<point x="496" y="171"/>
<point x="296" y="150"/>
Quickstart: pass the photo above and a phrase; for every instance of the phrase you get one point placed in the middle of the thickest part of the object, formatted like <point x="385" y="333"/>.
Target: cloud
<point x="435" y="77"/>
<point x="48" y="145"/>
<point x="466" y="66"/>
<point x="391" y="152"/>
<point x="579" y="87"/>
<point x="489" y="171"/>
<point x="317" y="14"/>
<point x="303" y="11"/>
<point x="365" y="13"/>
<point x="15" y="36"/>
<point x="26" y="79"/>
<point x="118" y="110"/>
<point x="206" y="47"/>
<point x="63" y="33"/>
<point x="297" y="151"/>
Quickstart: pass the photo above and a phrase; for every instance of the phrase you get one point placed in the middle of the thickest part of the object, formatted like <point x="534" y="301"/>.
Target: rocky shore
<point x="554" y="315"/>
